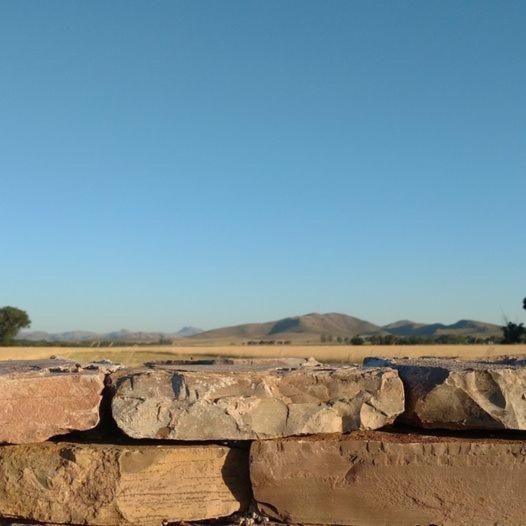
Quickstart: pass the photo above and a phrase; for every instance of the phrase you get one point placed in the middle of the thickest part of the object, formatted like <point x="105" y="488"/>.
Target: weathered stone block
<point x="378" y="478"/>
<point x="43" y="398"/>
<point x="248" y="399"/>
<point x="109" y="485"/>
<point x="452" y="394"/>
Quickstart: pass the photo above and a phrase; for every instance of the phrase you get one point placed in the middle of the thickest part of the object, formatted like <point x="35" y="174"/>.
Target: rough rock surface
<point x="452" y="394"/>
<point x="108" y="485"/>
<point x="249" y="399"/>
<point x="43" y="398"/>
<point x="378" y="478"/>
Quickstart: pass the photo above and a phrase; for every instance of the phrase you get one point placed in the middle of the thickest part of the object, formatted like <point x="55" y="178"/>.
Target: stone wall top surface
<point x="449" y="364"/>
<point x="231" y="365"/>
<point x="46" y="367"/>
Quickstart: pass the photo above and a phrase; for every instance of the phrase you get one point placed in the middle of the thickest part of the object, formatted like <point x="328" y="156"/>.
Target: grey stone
<point x="454" y="394"/>
<point x="249" y="399"/>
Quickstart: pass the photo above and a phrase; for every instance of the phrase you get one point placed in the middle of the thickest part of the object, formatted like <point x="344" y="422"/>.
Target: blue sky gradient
<point x="209" y="163"/>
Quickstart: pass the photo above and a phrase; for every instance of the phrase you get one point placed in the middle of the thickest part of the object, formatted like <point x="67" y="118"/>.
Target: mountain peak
<point x="300" y="329"/>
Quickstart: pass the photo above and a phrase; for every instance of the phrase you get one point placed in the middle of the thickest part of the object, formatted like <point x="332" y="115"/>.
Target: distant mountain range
<point x="461" y="328"/>
<point x="298" y="329"/>
<point x="116" y="336"/>
<point x="310" y="328"/>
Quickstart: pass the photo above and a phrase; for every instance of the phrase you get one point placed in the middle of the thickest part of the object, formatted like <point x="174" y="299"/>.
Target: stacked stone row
<point x="291" y="440"/>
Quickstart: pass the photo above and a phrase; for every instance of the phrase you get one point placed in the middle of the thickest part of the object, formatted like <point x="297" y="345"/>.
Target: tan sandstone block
<point x="453" y="394"/>
<point x="383" y="479"/>
<point x="43" y="398"/>
<point x="248" y="399"/>
<point x="105" y="484"/>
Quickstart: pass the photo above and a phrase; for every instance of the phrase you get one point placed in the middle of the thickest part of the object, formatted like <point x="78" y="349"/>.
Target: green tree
<point x="11" y="321"/>
<point x="389" y="339"/>
<point x="513" y="332"/>
<point x="357" y="340"/>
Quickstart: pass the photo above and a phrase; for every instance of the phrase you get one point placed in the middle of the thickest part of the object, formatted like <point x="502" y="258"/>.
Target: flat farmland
<point x="134" y="355"/>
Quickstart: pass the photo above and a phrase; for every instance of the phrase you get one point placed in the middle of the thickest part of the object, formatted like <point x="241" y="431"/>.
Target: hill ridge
<point x="305" y="328"/>
<point x="310" y="327"/>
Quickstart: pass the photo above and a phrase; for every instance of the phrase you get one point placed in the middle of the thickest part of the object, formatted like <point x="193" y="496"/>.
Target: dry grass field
<point x="323" y="353"/>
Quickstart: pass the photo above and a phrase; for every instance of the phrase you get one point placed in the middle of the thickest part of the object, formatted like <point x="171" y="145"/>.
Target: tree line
<point x="392" y="339"/>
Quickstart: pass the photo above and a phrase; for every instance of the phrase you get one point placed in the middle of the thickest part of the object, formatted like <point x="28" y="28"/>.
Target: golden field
<point x="324" y="353"/>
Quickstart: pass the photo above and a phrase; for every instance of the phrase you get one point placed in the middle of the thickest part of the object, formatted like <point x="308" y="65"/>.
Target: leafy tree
<point x="513" y="332"/>
<point x="357" y="340"/>
<point x="11" y="321"/>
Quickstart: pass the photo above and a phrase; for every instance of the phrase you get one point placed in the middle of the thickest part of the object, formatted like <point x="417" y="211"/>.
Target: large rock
<point x="121" y="484"/>
<point x="453" y="394"/>
<point x="44" y="398"/>
<point x="248" y="399"/>
<point x="378" y="478"/>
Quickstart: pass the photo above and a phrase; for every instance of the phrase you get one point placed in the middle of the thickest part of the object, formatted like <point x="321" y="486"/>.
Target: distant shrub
<point x="513" y="333"/>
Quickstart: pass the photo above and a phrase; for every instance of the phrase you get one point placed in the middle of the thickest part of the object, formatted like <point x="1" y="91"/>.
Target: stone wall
<point x="391" y="442"/>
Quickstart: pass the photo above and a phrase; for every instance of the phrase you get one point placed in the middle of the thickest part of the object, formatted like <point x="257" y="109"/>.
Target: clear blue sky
<point x="209" y="163"/>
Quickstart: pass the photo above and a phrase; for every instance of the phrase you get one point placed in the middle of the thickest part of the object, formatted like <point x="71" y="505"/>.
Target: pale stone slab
<point x="453" y="394"/>
<point x="44" y="398"/>
<point x="383" y="479"/>
<point x="110" y="485"/>
<point x="250" y="399"/>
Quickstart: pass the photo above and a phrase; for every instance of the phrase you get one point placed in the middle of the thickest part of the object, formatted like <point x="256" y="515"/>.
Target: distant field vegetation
<point x="324" y="340"/>
<point x="133" y="355"/>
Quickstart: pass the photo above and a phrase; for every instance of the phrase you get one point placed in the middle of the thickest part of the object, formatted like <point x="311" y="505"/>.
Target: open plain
<point x="134" y="355"/>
